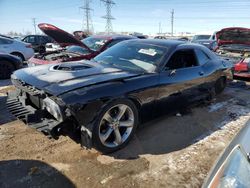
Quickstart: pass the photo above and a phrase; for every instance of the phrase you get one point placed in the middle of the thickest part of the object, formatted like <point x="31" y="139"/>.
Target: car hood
<point x="233" y="35"/>
<point x="62" y="37"/>
<point x="57" y="79"/>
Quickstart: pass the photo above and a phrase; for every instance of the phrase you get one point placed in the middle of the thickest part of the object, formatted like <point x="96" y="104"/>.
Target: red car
<point x="74" y="49"/>
<point x="234" y="43"/>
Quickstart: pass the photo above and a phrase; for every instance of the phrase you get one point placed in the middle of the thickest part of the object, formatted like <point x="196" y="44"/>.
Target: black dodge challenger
<point x="105" y="98"/>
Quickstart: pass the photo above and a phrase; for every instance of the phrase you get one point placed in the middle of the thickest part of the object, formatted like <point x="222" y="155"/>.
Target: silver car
<point x="18" y="48"/>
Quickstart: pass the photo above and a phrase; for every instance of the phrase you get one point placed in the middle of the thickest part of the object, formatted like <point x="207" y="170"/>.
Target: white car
<point x="51" y="47"/>
<point x="18" y="48"/>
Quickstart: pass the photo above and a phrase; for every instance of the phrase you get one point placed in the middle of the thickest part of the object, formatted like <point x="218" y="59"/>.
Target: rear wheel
<point x="220" y="85"/>
<point x="115" y="126"/>
<point x="6" y="69"/>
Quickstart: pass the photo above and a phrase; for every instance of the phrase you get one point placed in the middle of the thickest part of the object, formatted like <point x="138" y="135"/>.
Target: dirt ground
<point x="172" y="151"/>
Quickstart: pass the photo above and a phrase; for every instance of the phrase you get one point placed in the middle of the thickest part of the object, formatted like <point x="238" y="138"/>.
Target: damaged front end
<point x="36" y="109"/>
<point x="45" y="113"/>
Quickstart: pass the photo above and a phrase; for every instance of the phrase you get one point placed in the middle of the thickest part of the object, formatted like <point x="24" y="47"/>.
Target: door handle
<point x="201" y="73"/>
<point x="172" y="73"/>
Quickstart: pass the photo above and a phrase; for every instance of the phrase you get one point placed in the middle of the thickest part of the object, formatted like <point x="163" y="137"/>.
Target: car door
<point x="179" y="81"/>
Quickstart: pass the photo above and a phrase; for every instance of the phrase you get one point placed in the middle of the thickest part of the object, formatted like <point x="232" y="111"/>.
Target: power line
<point x="172" y="22"/>
<point x="108" y="16"/>
<point x="34" y="24"/>
<point x="87" y="21"/>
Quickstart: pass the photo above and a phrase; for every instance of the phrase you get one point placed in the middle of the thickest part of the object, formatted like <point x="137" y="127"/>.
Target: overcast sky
<point x="131" y="15"/>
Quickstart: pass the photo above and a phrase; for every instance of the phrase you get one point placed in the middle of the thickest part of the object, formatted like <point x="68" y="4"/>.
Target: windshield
<point x="77" y="49"/>
<point x="94" y="44"/>
<point x="133" y="56"/>
<point x="201" y="37"/>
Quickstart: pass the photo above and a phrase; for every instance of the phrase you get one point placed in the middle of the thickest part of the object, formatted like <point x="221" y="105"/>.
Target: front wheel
<point x="115" y="126"/>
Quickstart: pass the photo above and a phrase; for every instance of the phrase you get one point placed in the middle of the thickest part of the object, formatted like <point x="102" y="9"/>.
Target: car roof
<point x="114" y="37"/>
<point x="7" y="37"/>
<point x="37" y="35"/>
<point x="160" y="42"/>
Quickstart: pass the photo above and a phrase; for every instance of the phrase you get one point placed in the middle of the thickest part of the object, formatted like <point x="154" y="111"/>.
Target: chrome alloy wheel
<point x="116" y="125"/>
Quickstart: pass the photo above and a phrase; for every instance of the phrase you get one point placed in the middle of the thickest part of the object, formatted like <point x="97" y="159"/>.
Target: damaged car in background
<point x="105" y="99"/>
<point x="234" y="44"/>
<point x="74" y="49"/>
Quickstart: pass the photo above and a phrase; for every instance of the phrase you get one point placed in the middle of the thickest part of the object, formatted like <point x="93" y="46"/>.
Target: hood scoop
<point x="70" y="67"/>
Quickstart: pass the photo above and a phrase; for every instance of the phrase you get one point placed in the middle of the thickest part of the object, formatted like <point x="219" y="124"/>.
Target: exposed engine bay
<point x="63" y="55"/>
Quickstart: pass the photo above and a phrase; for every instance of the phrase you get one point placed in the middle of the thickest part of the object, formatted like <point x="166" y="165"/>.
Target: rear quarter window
<point x="202" y="57"/>
<point x="5" y="41"/>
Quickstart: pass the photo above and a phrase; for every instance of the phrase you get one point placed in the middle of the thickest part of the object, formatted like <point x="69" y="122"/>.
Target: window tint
<point x="113" y="42"/>
<point x="201" y="57"/>
<point x="43" y="39"/>
<point x="77" y="49"/>
<point x="5" y="41"/>
<point x="182" y="59"/>
<point x="133" y="56"/>
<point x="30" y="39"/>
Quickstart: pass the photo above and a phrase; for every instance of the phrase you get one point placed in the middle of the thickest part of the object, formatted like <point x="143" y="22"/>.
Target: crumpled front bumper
<point x="35" y="118"/>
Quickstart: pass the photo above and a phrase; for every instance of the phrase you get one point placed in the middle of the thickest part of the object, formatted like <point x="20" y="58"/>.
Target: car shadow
<point x="31" y="173"/>
<point x="5" y="116"/>
<point x="6" y="82"/>
<point x="173" y="133"/>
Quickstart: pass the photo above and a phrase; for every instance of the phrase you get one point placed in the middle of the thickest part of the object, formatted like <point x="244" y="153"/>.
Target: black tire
<point x="220" y="85"/>
<point x="6" y="69"/>
<point x="97" y="143"/>
<point x="18" y="55"/>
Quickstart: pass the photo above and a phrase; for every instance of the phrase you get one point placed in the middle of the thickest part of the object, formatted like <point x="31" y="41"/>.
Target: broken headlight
<point x="53" y="108"/>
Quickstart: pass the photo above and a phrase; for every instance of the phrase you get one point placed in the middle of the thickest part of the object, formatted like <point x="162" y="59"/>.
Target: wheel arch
<point x="18" y="53"/>
<point x="9" y="61"/>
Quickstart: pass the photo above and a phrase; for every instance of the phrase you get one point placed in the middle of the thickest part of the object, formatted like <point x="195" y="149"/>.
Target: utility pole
<point x="172" y="22"/>
<point x="34" y="24"/>
<point x="87" y="22"/>
<point x="159" y="28"/>
<point x="108" y="16"/>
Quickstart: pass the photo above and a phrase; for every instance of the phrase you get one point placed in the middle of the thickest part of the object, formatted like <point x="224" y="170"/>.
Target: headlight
<point x="30" y="64"/>
<point x="53" y="108"/>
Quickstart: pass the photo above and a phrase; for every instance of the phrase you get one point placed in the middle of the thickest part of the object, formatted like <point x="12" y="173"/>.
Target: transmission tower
<point x="87" y="21"/>
<point x="108" y="16"/>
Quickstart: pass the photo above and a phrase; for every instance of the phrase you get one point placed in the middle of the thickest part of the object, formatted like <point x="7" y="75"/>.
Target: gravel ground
<point x="172" y="151"/>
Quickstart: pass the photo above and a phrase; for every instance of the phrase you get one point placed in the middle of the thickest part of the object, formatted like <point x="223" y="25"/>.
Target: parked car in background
<point x="74" y="49"/>
<point x="138" y="35"/>
<point x="233" y="167"/>
<point x="80" y="35"/>
<point x="200" y="37"/>
<point x="206" y="40"/>
<point x="8" y="64"/>
<point x="234" y="44"/>
<point x="14" y="47"/>
<point x="160" y="37"/>
<point x="52" y="47"/>
<point x="105" y="98"/>
<point x="38" y="42"/>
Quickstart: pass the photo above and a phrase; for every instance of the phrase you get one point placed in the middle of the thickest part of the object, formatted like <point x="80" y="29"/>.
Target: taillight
<point x="28" y="46"/>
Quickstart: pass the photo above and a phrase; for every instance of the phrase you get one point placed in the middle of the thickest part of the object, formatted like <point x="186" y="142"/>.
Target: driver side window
<point x="182" y="59"/>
